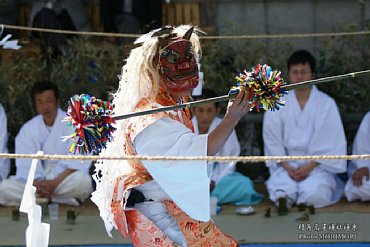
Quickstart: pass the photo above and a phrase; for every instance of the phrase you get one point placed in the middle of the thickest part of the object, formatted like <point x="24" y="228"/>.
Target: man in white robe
<point x="4" y="163"/>
<point x="309" y="124"/>
<point x="358" y="185"/>
<point x="61" y="181"/>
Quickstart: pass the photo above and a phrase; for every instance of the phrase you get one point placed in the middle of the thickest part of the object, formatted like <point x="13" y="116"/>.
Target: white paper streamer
<point x="6" y="43"/>
<point x="37" y="233"/>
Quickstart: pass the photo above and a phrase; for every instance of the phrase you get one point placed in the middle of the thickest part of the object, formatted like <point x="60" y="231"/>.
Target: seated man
<point x="226" y="184"/>
<point x="61" y="181"/>
<point x="4" y="163"/>
<point x="309" y="124"/>
<point x="358" y="186"/>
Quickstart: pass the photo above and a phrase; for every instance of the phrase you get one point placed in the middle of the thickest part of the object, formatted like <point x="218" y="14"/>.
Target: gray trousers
<point x="158" y="214"/>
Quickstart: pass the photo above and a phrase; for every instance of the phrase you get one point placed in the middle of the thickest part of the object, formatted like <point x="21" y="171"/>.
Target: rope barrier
<point x="243" y="159"/>
<point x="257" y="36"/>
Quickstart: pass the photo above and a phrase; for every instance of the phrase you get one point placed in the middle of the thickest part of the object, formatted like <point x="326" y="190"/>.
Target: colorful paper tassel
<point x="92" y="121"/>
<point x="265" y="86"/>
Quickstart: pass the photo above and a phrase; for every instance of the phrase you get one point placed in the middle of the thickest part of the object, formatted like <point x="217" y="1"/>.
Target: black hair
<point x="302" y="57"/>
<point x="42" y="86"/>
<point x="206" y="94"/>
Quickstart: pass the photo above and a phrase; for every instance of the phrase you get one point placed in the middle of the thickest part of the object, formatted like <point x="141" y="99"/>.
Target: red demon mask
<point x="176" y="62"/>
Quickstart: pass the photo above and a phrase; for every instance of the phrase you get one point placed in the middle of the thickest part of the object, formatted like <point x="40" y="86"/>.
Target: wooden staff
<point x="233" y="95"/>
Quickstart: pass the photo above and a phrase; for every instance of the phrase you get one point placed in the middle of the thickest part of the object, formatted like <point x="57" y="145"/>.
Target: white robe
<point x="230" y="148"/>
<point x="315" y="130"/>
<point x="36" y="136"/>
<point x="4" y="163"/>
<point x="185" y="182"/>
<point x="361" y="145"/>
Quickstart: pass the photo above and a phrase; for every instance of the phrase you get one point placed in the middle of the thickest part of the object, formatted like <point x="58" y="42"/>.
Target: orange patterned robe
<point x="142" y="231"/>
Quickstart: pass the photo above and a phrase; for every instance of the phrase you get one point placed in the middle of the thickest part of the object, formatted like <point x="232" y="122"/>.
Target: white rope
<point x="258" y="36"/>
<point x="243" y="159"/>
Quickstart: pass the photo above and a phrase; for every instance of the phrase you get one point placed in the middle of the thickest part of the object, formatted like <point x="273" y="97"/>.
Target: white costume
<point x="34" y="136"/>
<point x="315" y="130"/>
<point x="173" y="180"/>
<point x="4" y="163"/>
<point x="231" y="148"/>
<point x="168" y="137"/>
<point x="361" y="145"/>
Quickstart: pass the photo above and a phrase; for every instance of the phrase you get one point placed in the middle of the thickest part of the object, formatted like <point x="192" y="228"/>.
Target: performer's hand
<point x="238" y="107"/>
<point x="235" y="110"/>
<point x="358" y="176"/>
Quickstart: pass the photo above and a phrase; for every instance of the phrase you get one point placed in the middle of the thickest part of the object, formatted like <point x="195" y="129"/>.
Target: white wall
<point x="289" y="17"/>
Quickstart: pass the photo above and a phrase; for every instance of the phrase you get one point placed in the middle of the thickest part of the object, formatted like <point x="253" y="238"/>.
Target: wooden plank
<point x="195" y="16"/>
<point x="187" y="13"/>
<point x="24" y="19"/>
<point x="164" y="14"/>
<point x="170" y="14"/>
<point x="178" y="14"/>
<point x="93" y="14"/>
<point x="96" y="22"/>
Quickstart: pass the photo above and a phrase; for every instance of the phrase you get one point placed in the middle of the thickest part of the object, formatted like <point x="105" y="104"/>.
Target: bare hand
<point x="235" y="110"/>
<point x="302" y="172"/>
<point x="358" y="176"/>
<point x="290" y="170"/>
<point x="238" y="107"/>
<point x="45" y="188"/>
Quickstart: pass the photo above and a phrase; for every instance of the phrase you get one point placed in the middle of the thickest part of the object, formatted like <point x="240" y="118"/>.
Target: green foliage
<point x="90" y="67"/>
